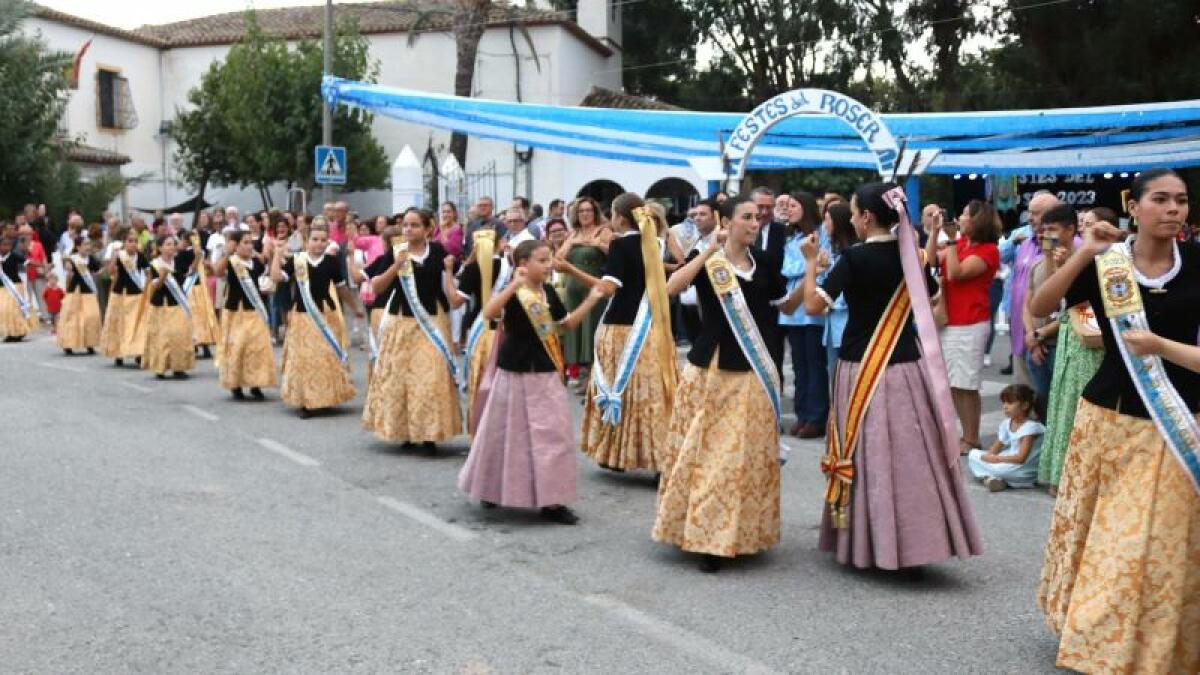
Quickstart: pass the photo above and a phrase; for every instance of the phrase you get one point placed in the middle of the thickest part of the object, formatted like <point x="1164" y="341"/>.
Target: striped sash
<point x="313" y="311"/>
<point x="130" y="264"/>
<point x="408" y="284"/>
<point x="168" y="279"/>
<point x="242" y="271"/>
<point x="1123" y="305"/>
<point x="608" y="396"/>
<point x="22" y="302"/>
<point x="838" y="463"/>
<point x="81" y="268"/>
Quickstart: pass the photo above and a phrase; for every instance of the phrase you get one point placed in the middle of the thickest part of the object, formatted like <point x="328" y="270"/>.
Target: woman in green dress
<point x="586" y="249"/>
<point x="1079" y="353"/>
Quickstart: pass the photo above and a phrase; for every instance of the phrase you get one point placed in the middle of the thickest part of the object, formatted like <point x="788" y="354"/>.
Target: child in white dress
<point x="1012" y="461"/>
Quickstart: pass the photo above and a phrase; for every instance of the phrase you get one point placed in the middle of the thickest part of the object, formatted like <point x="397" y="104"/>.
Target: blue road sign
<point x="330" y="165"/>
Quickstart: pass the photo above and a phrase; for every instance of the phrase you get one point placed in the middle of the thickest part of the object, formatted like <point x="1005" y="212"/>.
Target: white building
<point x="132" y="82"/>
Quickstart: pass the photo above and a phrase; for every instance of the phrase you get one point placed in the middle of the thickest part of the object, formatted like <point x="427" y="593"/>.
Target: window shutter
<point x="126" y="116"/>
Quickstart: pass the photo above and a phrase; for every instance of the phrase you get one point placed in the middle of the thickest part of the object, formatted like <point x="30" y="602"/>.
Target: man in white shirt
<point x="515" y="229"/>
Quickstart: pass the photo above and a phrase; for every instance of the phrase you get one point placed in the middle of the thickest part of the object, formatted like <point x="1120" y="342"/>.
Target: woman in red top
<point x="967" y="270"/>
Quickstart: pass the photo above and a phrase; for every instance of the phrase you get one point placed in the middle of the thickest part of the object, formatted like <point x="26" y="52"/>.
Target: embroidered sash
<point x="22" y="302"/>
<point x="408" y="284"/>
<point x="838" y="463"/>
<point x="537" y="310"/>
<point x="199" y="274"/>
<point x="1123" y="305"/>
<point x="311" y="308"/>
<point x="168" y="279"/>
<point x="651" y="312"/>
<point x="242" y="271"/>
<point x="745" y="330"/>
<point x="130" y="264"/>
<point x="81" y="268"/>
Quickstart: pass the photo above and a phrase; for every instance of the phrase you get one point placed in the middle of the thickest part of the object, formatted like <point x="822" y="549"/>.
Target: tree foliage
<point x="255" y="117"/>
<point x="33" y="96"/>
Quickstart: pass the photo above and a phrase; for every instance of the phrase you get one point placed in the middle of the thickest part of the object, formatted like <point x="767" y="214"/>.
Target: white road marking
<point x="201" y="413"/>
<point x="283" y="450"/>
<point x="681" y="638"/>
<point x="455" y="532"/>
<point x="136" y="387"/>
<point x="62" y="366"/>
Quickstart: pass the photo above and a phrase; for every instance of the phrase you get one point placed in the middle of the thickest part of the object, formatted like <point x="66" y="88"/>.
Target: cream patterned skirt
<point x="313" y="377"/>
<point x="123" y="336"/>
<point x="246" y="358"/>
<point x="412" y="396"/>
<point x="79" y="322"/>
<point x="168" y="340"/>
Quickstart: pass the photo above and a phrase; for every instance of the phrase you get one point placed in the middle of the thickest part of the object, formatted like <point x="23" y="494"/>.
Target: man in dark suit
<point x="771" y="238"/>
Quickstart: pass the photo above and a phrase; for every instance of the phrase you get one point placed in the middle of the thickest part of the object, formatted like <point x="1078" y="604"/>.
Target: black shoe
<point x="408" y="445"/>
<point x="160" y="376"/>
<point x="68" y="352"/>
<point x="13" y="338"/>
<point x="238" y="395"/>
<point x="119" y="362"/>
<point x="559" y="514"/>
<point x="91" y="352"/>
<point x="710" y="564"/>
<point x="181" y="375"/>
<point x="305" y="413"/>
<point x="487" y="505"/>
<point x="658" y="479"/>
<point x="257" y="394"/>
<point x="204" y="352"/>
<point x="137" y="360"/>
<point x="612" y="468"/>
<point x="430" y="448"/>
<point x="1006" y="370"/>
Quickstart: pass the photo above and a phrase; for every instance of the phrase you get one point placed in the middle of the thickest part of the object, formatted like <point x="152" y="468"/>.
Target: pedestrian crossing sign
<point x="330" y="165"/>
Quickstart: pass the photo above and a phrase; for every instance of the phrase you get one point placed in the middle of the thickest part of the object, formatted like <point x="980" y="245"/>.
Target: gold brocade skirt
<point x="246" y="358"/>
<point x="638" y="441"/>
<point x="1121" y="578"/>
<point x="719" y="492"/>
<point x="476" y="369"/>
<point x="205" y="330"/>
<point x="123" y="336"/>
<point x="312" y="375"/>
<point x="412" y="395"/>
<point x="168" y="340"/>
<point x="12" y="323"/>
<point x="79" y="322"/>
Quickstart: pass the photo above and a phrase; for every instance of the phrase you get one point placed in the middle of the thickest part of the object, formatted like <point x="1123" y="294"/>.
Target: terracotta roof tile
<point x="599" y="97"/>
<point x="90" y="154"/>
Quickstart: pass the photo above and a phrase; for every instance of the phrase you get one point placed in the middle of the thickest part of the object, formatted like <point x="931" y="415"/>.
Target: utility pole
<point x="326" y="114"/>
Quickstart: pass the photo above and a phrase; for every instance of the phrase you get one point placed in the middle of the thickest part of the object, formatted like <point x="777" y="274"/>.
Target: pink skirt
<point x="909" y="504"/>
<point x="523" y="453"/>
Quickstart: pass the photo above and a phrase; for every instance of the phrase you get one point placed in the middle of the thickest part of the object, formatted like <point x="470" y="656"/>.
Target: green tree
<point x="255" y="117"/>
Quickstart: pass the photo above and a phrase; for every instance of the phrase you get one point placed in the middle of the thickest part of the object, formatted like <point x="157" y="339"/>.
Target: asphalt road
<point x="159" y="527"/>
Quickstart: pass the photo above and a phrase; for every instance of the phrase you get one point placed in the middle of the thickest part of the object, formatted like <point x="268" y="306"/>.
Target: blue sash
<point x="313" y="311"/>
<point x="745" y="330"/>
<point x="81" y="268"/>
<point x="1123" y="305"/>
<point x="136" y="275"/>
<point x="408" y="284"/>
<point x="173" y="287"/>
<point x="242" y="272"/>
<point x="608" y="397"/>
<point x="189" y="282"/>
<point x="373" y="342"/>
<point x="22" y="303"/>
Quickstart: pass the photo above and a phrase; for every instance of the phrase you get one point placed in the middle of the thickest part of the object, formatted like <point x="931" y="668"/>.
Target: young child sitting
<point x="1012" y="461"/>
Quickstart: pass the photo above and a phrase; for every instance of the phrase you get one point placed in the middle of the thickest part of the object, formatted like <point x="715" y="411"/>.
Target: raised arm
<point x="494" y="308"/>
<point x="577" y="315"/>
<point x="1096" y="240"/>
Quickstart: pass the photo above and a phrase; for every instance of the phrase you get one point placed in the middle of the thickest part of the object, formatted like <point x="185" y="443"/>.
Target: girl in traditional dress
<point x="123" y="336"/>
<point x="488" y="272"/>
<point x="719" y="494"/>
<point x="1121" y="579"/>
<point x="79" y="323"/>
<point x="205" y="328"/>
<point x="315" y="372"/>
<point x="413" y="396"/>
<point x="896" y="496"/>
<point x="1077" y="357"/>
<point x="247" y="359"/>
<point x="631" y="389"/>
<point x="168" y="322"/>
<point x="15" y="307"/>
<point x="586" y="248"/>
<point x="523" y="452"/>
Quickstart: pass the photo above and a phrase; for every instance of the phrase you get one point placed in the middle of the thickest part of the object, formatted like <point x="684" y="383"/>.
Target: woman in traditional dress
<point x="168" y="323"/>
<point x="247" y="359"/>
<point x="719" y="494"/>
<point x="315" y="356"/>
<point x="523" y="452"/>
<point x="586" y="248"/>
<point x="15" y="307"/>
<point x="488" y="272"/>
<point x="413" y="396"/>
<point x="1121" y="579"/>
<point x="79" y="323"/>
<point x="124" y="336"/>
<point x="1078" y="355"/>
<point x="205" y="328"/>
<point x="629" y="396"/>
<point x="890" y="503"/>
